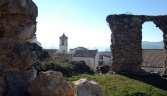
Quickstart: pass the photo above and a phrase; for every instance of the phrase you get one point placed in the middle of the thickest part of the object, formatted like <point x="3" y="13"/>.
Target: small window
<point x="62" y="43"/>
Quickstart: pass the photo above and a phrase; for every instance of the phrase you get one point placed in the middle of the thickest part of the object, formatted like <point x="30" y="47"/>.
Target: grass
<point x="132" y="85"/>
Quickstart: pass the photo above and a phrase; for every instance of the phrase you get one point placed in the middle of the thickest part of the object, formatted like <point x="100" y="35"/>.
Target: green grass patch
<point x="119" y="85"/>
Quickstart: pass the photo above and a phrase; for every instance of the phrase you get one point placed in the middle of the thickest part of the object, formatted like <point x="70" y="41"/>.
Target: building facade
<point x="91" y="57"/>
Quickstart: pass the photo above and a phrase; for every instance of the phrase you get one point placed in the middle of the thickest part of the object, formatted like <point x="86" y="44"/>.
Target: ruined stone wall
<point x="17" y="24"/>
<point x="126" y="39"/>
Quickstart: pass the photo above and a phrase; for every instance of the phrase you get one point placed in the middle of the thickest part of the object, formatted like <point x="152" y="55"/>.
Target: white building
<point x="106" y="60"/>
<point x="91" y="57"/>
<point x="63" y="46"/>
<point x="105" y="57"/>
<point x="34" y="40"/>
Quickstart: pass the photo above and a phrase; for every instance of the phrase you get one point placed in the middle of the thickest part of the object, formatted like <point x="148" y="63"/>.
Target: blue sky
<point x="83" y="21"/>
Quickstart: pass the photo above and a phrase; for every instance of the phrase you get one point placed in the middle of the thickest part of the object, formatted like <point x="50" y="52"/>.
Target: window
<point x="62" y="43"/>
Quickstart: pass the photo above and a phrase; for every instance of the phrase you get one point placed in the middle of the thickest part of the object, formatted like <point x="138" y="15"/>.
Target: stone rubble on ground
<point x="85" y="87"/>
<point x="50" y="83"/>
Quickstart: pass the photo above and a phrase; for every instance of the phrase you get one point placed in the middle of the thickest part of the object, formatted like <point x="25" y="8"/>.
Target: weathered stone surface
<point x="17" y="24"/>
<point x="19" y="7"/>
<point x="17" y="19"/>
<point x="84" y="87"/>
<point x="17" y="82"/>
<point x="40" y="53"/>
<point x="15" y="55"/>
<point x="2" y="84"/>
<point x="50" y="83"/>
<point x="126" y="40"/>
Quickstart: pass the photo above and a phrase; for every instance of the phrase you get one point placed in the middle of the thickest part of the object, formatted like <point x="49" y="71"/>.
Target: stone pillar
<point x="126" y="40"/>
<point x="161" y="23"/>
<point x="17" y="25"/>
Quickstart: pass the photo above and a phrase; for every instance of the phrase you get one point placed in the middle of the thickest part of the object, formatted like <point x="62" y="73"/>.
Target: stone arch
<point x="126" y="40"/>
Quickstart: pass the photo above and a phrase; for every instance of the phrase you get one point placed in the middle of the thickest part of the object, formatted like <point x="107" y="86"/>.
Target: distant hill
<point x="145" y="45"/>
<point x="152" y="45"/>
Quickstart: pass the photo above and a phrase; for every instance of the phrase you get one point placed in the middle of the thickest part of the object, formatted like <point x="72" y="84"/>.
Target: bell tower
<point x="63" y="46"/>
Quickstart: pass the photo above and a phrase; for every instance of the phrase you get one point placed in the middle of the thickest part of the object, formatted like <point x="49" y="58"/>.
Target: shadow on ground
<point x="154" y="80"/>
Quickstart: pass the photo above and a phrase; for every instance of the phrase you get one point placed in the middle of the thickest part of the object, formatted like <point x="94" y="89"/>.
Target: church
<point x="91" y="57"/>
<point x="63" y="45"/>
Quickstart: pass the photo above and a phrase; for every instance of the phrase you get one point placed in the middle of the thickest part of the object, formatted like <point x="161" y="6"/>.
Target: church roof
<point x="85" y="53"/>
<point x="63" y="36"/>
<point x="80" y="48"/>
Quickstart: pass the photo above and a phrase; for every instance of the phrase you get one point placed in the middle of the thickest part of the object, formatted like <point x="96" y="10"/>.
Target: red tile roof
<point x="85" y="53"/>
<point x="153" y="57"/>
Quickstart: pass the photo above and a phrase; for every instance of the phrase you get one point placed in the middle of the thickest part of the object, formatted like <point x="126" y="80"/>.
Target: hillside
<point x="145" y="45"/>
<point x="152" y="45"/>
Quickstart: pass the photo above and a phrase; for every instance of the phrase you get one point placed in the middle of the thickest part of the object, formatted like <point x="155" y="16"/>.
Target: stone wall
<point x="126" y="39"/>
<point x="17" y="25"/>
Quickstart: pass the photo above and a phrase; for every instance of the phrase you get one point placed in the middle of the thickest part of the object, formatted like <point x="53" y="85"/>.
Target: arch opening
<point x="153" y="53"/>
<point x="152" y="36"/>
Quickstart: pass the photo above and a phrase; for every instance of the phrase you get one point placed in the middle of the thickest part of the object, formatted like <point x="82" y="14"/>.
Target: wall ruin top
<point x="126" y="39"/>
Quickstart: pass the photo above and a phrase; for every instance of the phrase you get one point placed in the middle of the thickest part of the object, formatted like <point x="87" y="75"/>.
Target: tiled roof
<point x="63" y="36"/>
<point x="85" y="53"/>
<point x="65" y="56"/>
<point x="51" y="51"/>
<point x="153" y="57"/>
<point x="81" y="48"/>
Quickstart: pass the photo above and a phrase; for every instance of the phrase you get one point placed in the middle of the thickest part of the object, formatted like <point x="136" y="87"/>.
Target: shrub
<point x="67" y="67"/>
<point x="81" y="67"/>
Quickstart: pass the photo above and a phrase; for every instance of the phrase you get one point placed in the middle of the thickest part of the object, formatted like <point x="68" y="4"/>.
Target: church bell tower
<point x="63" y="46"/>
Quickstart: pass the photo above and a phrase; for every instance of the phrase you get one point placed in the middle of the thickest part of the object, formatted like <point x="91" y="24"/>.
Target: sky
<point x="84" y="21"/>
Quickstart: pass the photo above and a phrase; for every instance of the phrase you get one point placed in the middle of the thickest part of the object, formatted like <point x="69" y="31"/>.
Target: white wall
<point x="86" y="59"/>
<point x="62" y="48"/>
<point x="106" y="60"/>
<point x="97" y="60"/>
